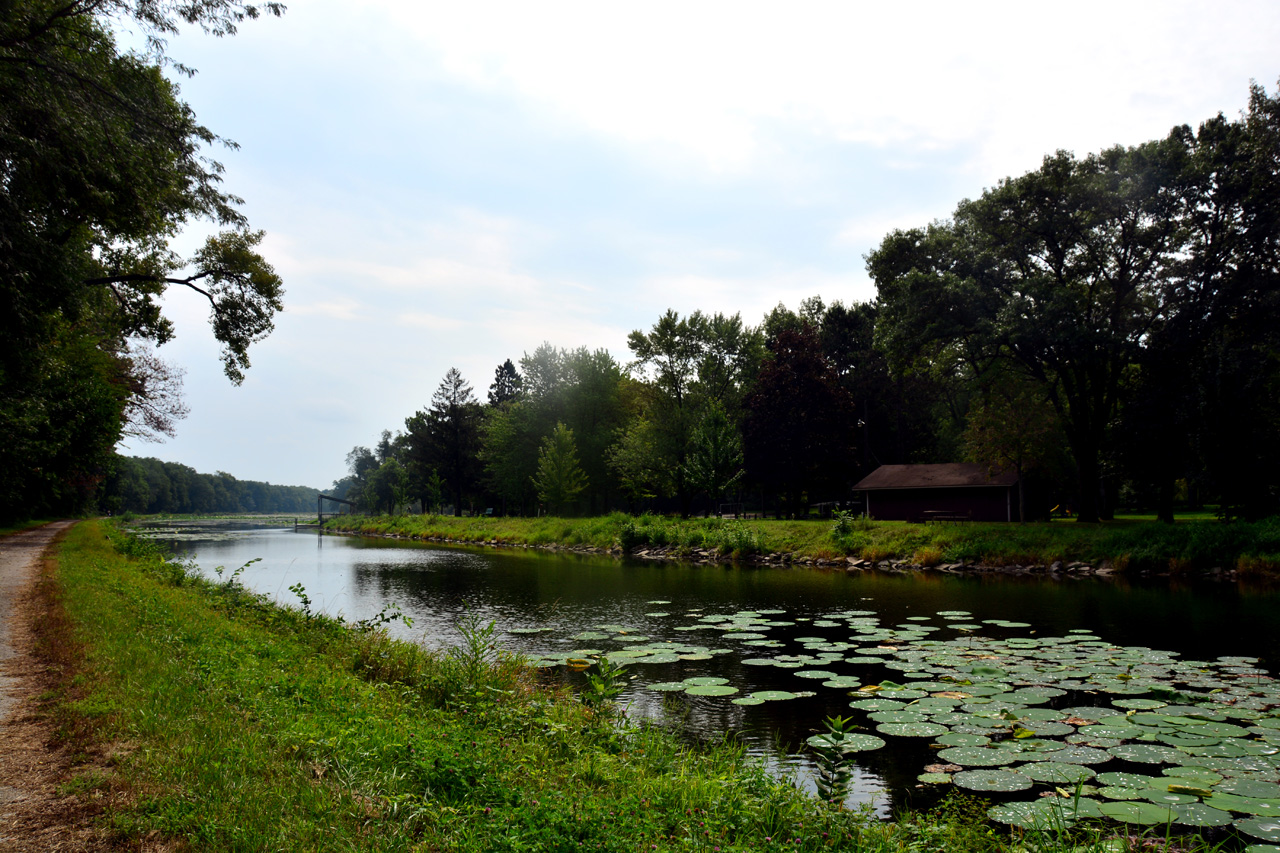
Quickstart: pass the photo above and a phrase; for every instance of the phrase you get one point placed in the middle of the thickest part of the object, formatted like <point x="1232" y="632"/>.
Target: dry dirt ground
<point x="37" y="767"/>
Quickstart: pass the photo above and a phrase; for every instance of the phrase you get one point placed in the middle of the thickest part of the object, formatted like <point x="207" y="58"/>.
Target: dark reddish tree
<point x="798" y="435"/>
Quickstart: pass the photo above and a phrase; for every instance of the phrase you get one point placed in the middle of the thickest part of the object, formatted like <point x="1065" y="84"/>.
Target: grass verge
<point x="238" y="725"/>
<point x="1145" y="545"/>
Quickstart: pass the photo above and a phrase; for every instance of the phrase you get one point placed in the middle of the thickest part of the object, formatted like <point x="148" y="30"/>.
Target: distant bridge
<point x="320" y="499"/>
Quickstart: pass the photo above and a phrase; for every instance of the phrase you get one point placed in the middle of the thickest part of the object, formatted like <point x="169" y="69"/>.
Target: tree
<point x="1080" y="273"/>
<point x="446" y="439"/>
<point x="509" y="453"/>
<point x="388" y="486"/>
<point x="1012" y="427"/>
<point x="798" y="435"/>
<point x="560" y="478"/>
<point x="154" y="402"/>
<point x="507" y="384"/>
<point x="636" y="461"/>
<point x="692" y="362"/>
<point x="715" y="458"/>
<point x="101" y="165"/>
<point x="1057" y="272"/>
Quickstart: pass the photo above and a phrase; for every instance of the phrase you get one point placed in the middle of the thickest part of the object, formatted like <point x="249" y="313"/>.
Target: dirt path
<point x="33" y="766"/>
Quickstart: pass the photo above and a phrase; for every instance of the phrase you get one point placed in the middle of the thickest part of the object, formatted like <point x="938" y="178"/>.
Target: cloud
<point x="337" y="310"/>
<point x="706" y="78"/>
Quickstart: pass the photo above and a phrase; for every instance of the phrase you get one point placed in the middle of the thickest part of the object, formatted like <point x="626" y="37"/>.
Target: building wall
<point x="995" y="503"/>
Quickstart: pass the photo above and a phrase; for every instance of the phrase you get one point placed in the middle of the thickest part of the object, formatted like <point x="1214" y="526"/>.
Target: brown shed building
<point x="952" y="491"/>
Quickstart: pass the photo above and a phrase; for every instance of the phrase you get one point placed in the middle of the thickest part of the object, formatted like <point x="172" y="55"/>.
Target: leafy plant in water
<point x="233" y="580"/>
<point x="388" y="614"/>
<point x="604" y="684"/>
<point x="479" y="649"/>
<point x="832" y="777"/>
<point x="305" y="600"/>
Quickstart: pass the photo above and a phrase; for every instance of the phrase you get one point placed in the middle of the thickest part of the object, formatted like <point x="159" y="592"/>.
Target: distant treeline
<point x="152" y="486"/>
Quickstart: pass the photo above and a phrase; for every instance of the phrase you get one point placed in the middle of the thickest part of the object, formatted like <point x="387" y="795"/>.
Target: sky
<point x="453" y="184"/>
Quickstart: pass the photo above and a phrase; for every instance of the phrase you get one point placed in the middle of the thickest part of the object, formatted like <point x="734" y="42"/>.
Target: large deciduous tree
<point x="101" y="164"/>
<point x="798" y="435"/>
<point x="692" y="363"/>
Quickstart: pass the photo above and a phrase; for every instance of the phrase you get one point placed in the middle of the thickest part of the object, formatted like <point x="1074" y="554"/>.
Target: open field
<point x="1136" y="544"/>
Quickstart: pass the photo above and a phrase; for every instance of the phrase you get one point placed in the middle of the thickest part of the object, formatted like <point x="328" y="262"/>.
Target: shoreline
<point x="1059" y="569"/>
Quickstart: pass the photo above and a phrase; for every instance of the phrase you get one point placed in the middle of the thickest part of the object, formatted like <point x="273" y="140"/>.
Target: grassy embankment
<point x="1134" y="544"/>
<point x="251" y="727"/>
<point x="238" y="725"/>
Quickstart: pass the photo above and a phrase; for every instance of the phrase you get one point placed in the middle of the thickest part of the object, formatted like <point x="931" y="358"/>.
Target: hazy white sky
<point x="451" y="184"/>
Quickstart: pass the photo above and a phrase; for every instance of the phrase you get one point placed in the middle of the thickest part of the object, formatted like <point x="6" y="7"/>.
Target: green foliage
<point x="1139" y="276"/>
<point x="149" y="486"/>
<point x="798" y="436"/>
<point x="87" y="233"/>
<point x="715" y="455"/>
<point x="559" y="479"/>
<point x="443" y="442"/>
<point x="834" y="772"/>
<point x="605" y="682"/>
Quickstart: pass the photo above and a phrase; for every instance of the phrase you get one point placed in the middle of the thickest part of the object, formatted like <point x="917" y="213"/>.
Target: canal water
<point x="540" y="601"/>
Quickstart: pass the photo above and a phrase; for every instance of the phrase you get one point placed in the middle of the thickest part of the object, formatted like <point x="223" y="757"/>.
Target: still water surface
<point x="569" y="594"/>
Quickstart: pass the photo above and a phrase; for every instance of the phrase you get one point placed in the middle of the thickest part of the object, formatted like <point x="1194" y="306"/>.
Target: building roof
<point x="950" y="475"/>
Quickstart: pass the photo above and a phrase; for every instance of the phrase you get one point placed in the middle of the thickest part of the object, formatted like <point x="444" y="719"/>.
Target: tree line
<point x="1107" y="326"/>
<point x="150" y="486"/>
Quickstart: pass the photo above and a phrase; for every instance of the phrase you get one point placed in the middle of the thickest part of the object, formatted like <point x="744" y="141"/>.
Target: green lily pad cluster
<point x="1080" y="727"/>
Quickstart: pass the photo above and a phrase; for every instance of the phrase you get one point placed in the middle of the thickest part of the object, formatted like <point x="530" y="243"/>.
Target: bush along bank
<point x="1228" y="551"/>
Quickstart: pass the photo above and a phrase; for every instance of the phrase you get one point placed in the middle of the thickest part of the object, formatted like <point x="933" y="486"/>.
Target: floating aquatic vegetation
<point x="1139" y="735"/>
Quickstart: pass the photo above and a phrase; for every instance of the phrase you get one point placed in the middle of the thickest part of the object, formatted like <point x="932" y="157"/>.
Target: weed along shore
<point x="1202" y="547"/>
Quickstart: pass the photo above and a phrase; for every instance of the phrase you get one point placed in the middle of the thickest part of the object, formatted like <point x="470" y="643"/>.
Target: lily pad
<point x="711" y="690"/>
<point x="961" y="739"/>
<point x="1056" y="772"/>
<point x="1044" y="814"/>
<point x="1143" y="753"/>
<point x="1268" y="829"/>
<point x="1142" y="814"/>
<point x="1198" y="814"/>
<point x="774" y="695"/>
<point x="992" y="780"/>
<point x="975" y="756"/>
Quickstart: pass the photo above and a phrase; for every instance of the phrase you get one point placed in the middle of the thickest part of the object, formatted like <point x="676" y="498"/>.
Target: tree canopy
<point x="1075" y="274"/>
<point x="101" y="165"/>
